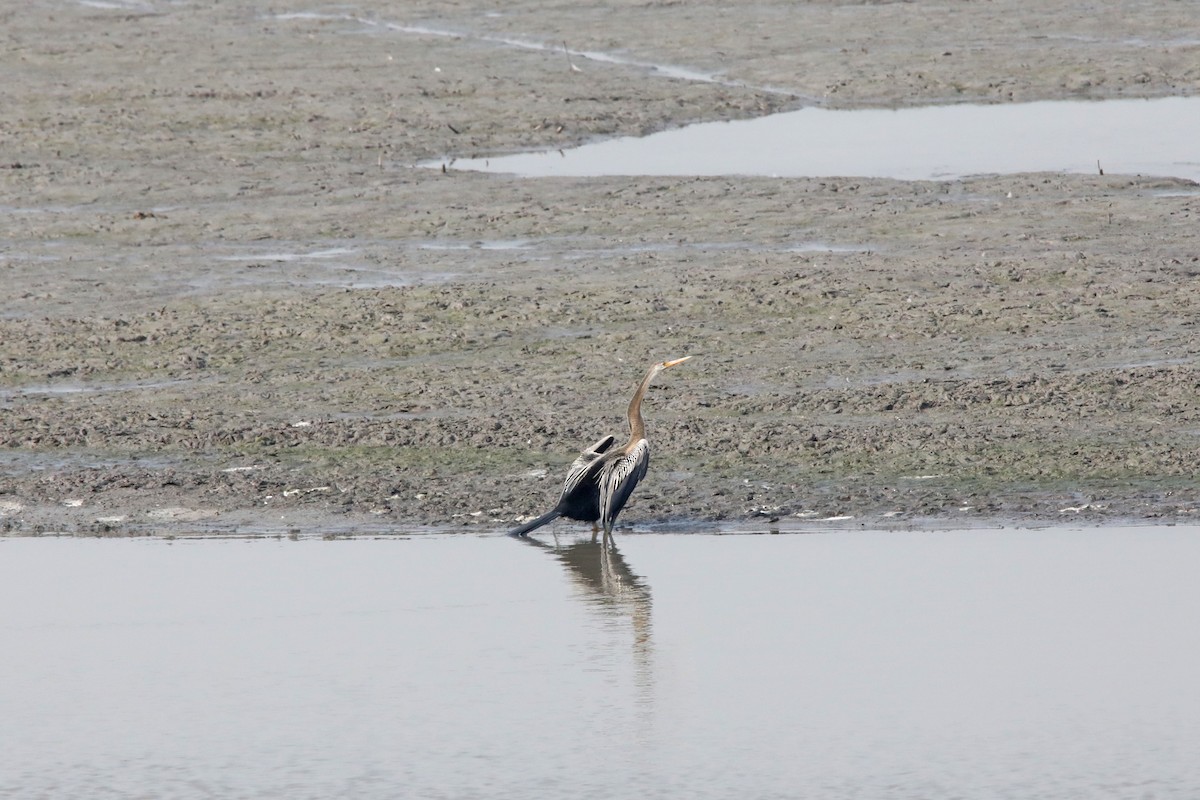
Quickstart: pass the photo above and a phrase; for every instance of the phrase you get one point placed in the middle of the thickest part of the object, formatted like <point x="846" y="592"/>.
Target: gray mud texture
<point x="231" y="301"/>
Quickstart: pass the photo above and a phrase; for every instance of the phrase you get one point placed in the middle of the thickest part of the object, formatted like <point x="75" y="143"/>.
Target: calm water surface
<point x="1009" y="663"/>
<point x="1127" y="137"/>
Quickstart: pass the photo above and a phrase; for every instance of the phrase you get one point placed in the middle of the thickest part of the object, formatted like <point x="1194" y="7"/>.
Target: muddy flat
<point x="232" y="300"/>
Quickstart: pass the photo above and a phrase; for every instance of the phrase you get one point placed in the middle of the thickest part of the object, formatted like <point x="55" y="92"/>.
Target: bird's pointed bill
<point x="676" y="361"/>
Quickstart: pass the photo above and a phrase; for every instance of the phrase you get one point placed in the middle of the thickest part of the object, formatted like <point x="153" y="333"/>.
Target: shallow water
<point x="664" y="70"/>
<point x="1135" y="137"/>
<point x="989" y="663"/>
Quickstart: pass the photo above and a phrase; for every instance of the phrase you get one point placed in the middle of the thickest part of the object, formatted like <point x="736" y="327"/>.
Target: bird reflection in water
<point x="604" y="577"/>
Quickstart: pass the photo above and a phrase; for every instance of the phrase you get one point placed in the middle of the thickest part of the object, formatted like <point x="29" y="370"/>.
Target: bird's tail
<point x="544" y="519"/>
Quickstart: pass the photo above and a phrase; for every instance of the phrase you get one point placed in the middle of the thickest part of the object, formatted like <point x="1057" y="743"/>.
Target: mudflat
<point x="232" y="300"/>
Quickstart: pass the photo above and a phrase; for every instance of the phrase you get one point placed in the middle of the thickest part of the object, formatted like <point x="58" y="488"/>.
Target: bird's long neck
<point x="637" y="426"/>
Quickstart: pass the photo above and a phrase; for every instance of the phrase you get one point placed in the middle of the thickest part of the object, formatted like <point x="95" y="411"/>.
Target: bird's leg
<point x="595" y="530"/>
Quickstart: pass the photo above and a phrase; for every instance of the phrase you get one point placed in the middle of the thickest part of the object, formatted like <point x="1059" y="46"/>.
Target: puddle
<point x="76" y="387"/>
<point x="284" y="257"/>
<point x="23" y="462"/>
<point x="1036" y="663"/>
<point x="490" y="244"/>
<point x="1177" y="193"/>
<point x="116" y="5"/>
<point x="573" y="57"/>
<point x="332" y="266"/>
<point x="575" y="249"/>
<point x="1135" y="137"/>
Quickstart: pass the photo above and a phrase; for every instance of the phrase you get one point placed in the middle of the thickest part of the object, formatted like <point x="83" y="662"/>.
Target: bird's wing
<point x="618" y="477"/>
<point x="586" y="463"/>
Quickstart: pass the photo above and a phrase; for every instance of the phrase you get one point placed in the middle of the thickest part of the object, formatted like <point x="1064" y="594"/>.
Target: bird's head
<point x="666" y="364"/>
<point x="659" y="367"/>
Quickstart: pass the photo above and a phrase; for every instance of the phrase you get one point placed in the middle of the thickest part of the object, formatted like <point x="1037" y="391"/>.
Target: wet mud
<point x="231" y="302"/>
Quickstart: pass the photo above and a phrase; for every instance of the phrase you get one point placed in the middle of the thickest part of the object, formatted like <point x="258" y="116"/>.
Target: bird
<point x="600" y="481"/>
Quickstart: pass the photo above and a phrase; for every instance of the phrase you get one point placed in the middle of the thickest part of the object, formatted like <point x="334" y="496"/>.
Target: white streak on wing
<point x="582" y="465"/>
<point x="619" y="477"/>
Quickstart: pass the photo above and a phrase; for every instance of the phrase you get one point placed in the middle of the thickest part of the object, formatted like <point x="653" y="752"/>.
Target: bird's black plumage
<point x="600" y="480"/>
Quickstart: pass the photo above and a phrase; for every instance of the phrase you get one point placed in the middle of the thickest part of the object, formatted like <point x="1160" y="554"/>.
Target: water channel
<point x="1047" y="663"/>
